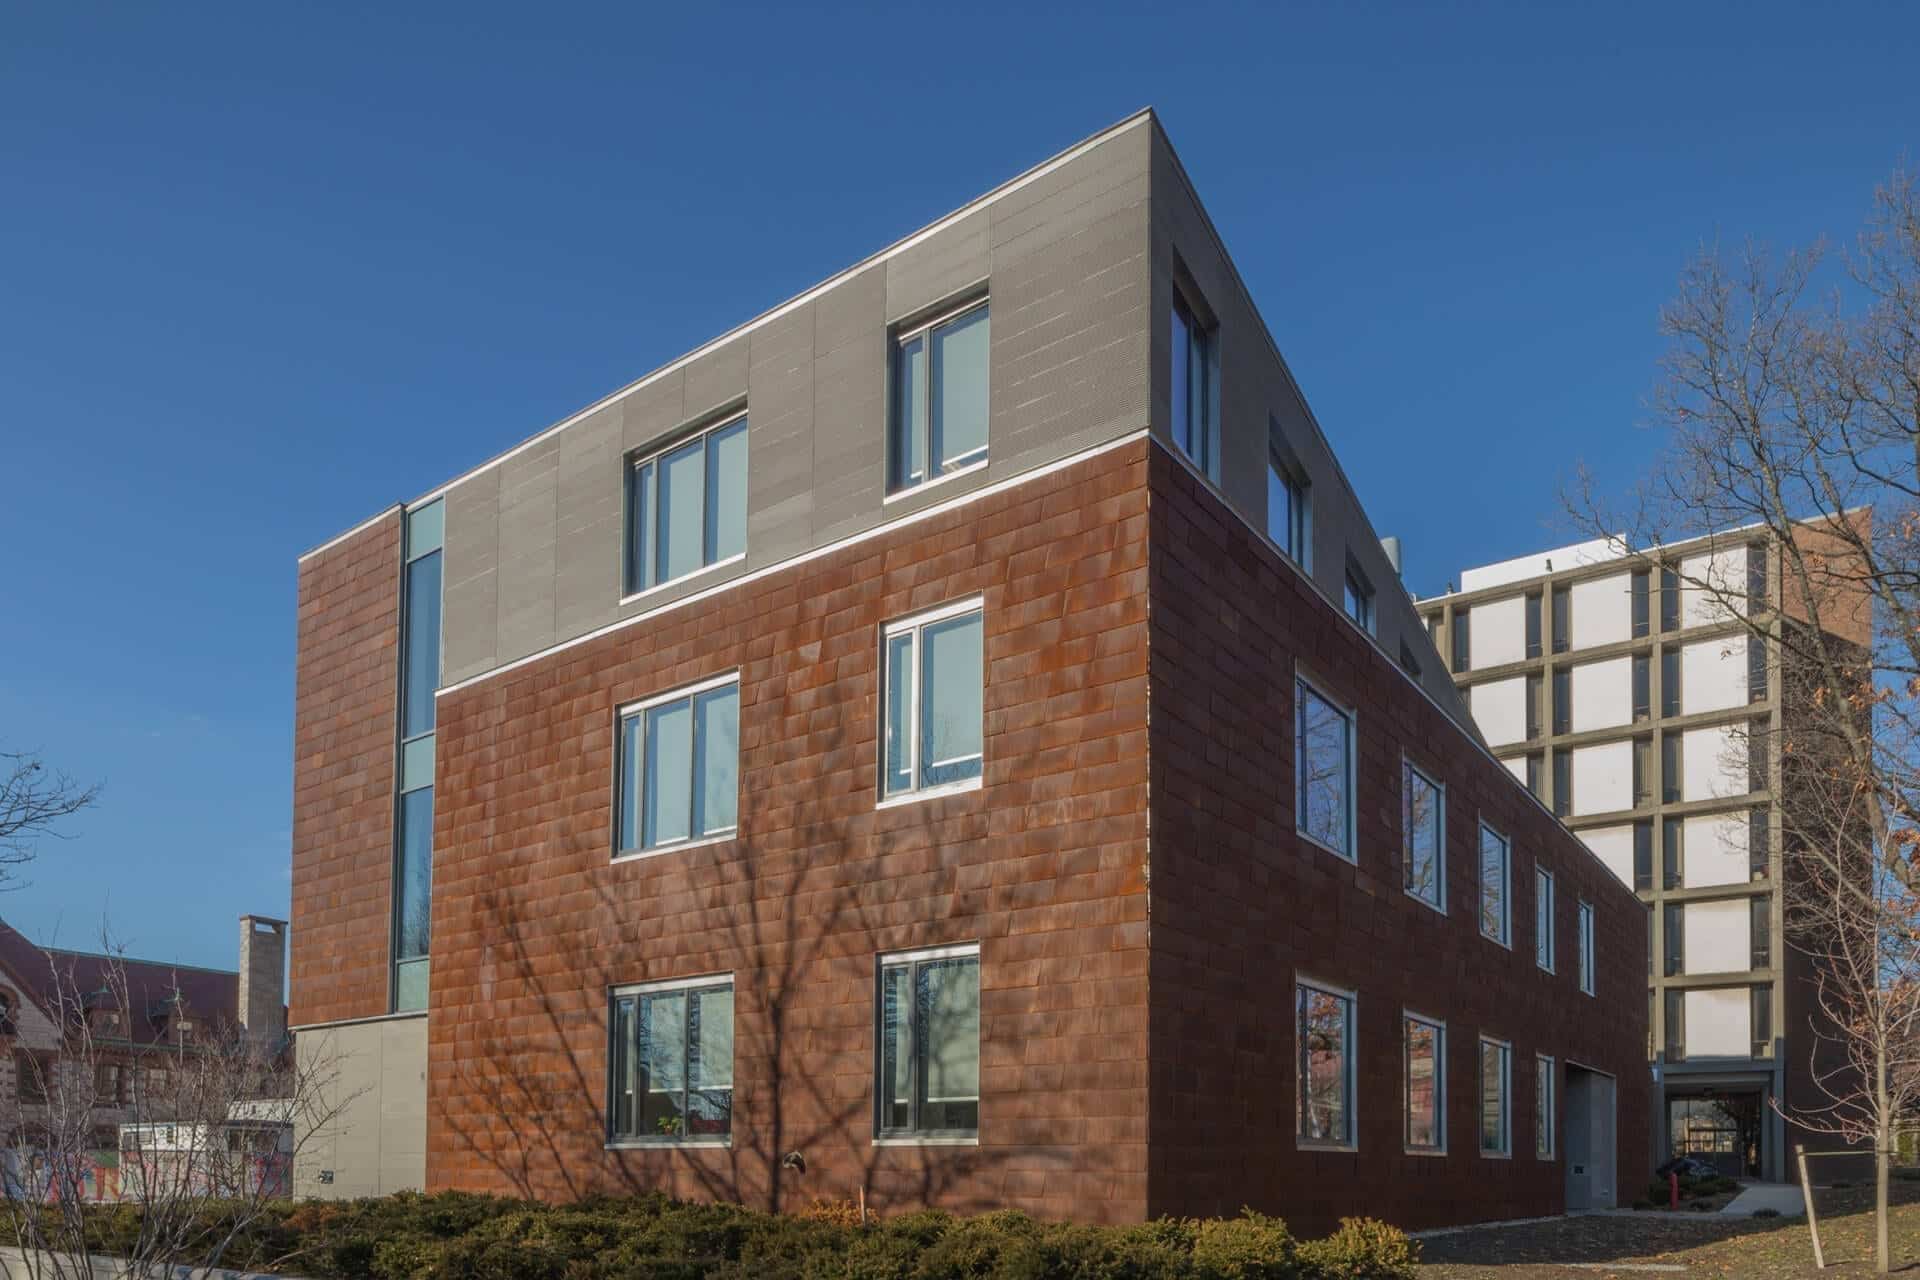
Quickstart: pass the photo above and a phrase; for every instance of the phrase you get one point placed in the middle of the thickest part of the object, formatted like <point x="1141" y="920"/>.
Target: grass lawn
<point x="1711" y="1246"/>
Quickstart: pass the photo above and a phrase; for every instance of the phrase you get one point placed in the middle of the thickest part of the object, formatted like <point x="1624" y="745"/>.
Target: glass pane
<point x="416" y="763"/>
<point x="1493" y="1098"/>
<point x="1542" y="920"/>
<point x="631" y="758"/>
<point x="1182" y="353"/>
<point x="1542" y="1107"/>
<point x="909" y="436"/>
<point x="416" y="873"/>
<point x="640" y="529"/>
<point x="896" y="1051"/>
<point x="947" y="1008"/>
<point x="1322" y="765"/>
<point x="410" y="985"/>
<point x="682" y="495"/>
<point x="727" y="492"/>
<point x="957" y="430"/>
<point x="663" y="1058"/>
<point x="1423" y="1085"/>
<point x="1493" y="885"/>
<point x="423" y="644"/>
<point x="1199" y="364"/>
<point x="426" y="529"/>
<point x="899" y="714"/>
<point x="1323" y="1069"/>
<point x="950" y="683"/>
<point x="667" y="760"/>
<point x="1423" y="838"/>
<point x="624" y="1072"/>
<point x="710" y="1063"/>
<point x="718" y="714"/>
<point x="1279" y="509"/>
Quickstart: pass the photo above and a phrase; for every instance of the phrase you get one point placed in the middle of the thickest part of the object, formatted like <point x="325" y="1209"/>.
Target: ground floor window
<point x="1426" y="1084"/>
<point x="1722" y="1129"/>
<point x="670" y="1062"/>
<point x="929" y="1036"/>
<point x="1324" y="1027"/>
<point x="1544" y="1106"/>
<point x="1496" y="1074"/>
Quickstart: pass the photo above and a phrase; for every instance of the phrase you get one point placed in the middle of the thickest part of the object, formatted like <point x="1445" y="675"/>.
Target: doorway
<point x="1721" y="1128"/>
<point x="1591" y="1147"/>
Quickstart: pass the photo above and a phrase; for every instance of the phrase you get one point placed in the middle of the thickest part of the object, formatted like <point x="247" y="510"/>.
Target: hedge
<point x="453" y="1236"/>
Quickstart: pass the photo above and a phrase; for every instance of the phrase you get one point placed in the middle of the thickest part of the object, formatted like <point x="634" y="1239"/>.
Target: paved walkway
<point x="1781" y="1196"/>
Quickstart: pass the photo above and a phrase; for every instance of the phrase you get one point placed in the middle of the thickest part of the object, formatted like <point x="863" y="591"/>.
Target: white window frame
<point x="1439" y="1029"/>
<point x="1546" y="1107"/>
<point x="1439" y="901"/>
<point x="633" y="463"/>
<point x="627" y="712"/>
<point x="881" y="961"/>
<point x="1505" y="1151"/>
<point x="915" y="792"/>
<point x="704" y="982"/>
<point x="1545" y="943"/>
<point x="1352" y="852"/>
<point x="898" y="337"/>
<point x="1348" y="1059"/>
<point x="1505" y="936"/>
<point x="1586" y="918"/>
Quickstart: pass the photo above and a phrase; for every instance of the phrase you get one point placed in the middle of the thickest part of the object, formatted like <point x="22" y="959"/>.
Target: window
<point x="1756" y="577"/>
<point x="1543" y="919"/>
<point x="1324" y="1026"/>
<point x="1423" y="821"/>
<point x="1359" y="599"/>
<point x="1585" y="918"/>
<point x="421" y="626"/>
<point x="1650" y="932"/>
<point x="1674" y="934"/>
<point x="1670" y="780"/>
<point x="687" y="507"/>
<point x="1545" y="1071"/>
<point x="1289" y="514"/>
<point x="110" y="1084"/>
<point x="929" y="1035"/>
<point x="1534" y="761"/>
<point x="670" y="1062"/>
<point x="1759" y="843"/>
<point x="1562" y="619"/>
<point x="1426" y="1068"/>
<point x="1643" y="855"/>
<point x="1669" y="600"/>
<point x="1562" y="700"/>
<point x="1409" y="663"/>
<point x="1760" y="910"/>
<point x="1495" y="1074"/>
<point x="1323" y="765"/>
<point x="939" y="389"/>
<point x="1435" y="632"/>
<point x="1533" y="625"/>
<point x="1196" y="378"/>
<point x="32" y="1074"/>
<point x="1533" y="706"/>
<point x="1670" y="681"/>
<point x="1642" y="772"/>
<point x="1674" y="1039"/>
<point x="680" y="766"/>
<point x="1762" y="1014"/>
<point x="1640" y="612"/>
<point x="1756" y="669"/>
<point x="413" y="835"/>
<point x="1642" y="686"/>
<point x="1494" y="908"/>
<point x="1672" y="853"/>
<point x="1562" y="783"/>
<point x="1462" y="634"/>
<point x="1759" y="754"/>
<point x="934" y="698"/>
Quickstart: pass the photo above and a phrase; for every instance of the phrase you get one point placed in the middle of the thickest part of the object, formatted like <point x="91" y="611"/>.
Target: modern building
<point x="956" y="739"/>
<point x="1626" y="695"/>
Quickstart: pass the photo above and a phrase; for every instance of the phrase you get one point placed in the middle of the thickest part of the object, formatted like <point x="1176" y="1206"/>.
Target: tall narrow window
<point x="670" y="1062"/>
<point x="1533" y="706"/>
<point x="1673" y="931"/>
<point x="1359" y="599"/>
<point x="419" y="677"/>
<point x="1643" y="855"/>
<point x="1562" y="783"/>
<point x="1495" y="907"/>
<point x="1462" y="636"/>
<point x="1641" y="615"/>
<point x="939" y="412"/>
<point x="1669" y="600"/>
<point x="1423" y="820"/>
<point x="1756" y="577"/>
<point x="1324" y="1033"/>
<point x="680" y="767"/>
<point x="1495" y="1076"/>
<point x="1545" y="1108"/>
<point x="1759" y="844"/>
<point x="1756" y="669"/>
<point x="1533" y="625"/>
<point x="1290" y="515"/>
<point x="1562" y="619"/>
<point x="1543" y="918"/>
<point x="1534" y="780"/>
<point x="1673" y="853"/>
<point x="1195" y="386"/>
<point x="1562" y="700"/>
<point x="687" y="507"/>
<point x="933" y="701"/>
<point x="1671" y="783"/>
<point x="1435" y="632"/>
<point x="1759" y="747"/>
<point x="1642" y="772"/>
<point x="1426" y="1069"/>
<point x="1642" y="687"/>
<point x="1323" y="768"/>
<point x="1760" y="913"/>
<point x="1585" y="919"/>
<point x="928" y="1028"/>
<point x="1673" y="1040"/>
<point x="1762" y="1018"/>
<point x="1670" y="681"/>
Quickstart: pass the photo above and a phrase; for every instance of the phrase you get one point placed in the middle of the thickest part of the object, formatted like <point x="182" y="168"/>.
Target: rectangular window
<point x="929" y="1034"/>
<point x="1642" y="772"/>
<point x="1533" y="706"/>
<point x="1640" y="612"/>
<point x="1670" y="681"/>
<point x="1545" y="1073"/>
<point x="1650" y="933"/>
<point x="1359" y="599"/>
<point x="1762" y="1015"/>
<point x="1562" y="783"/>
<point x="1756" y="669"/>
<point x="1534" y="780"/>
<point x="670" y="1062"/>
<point x="1496" y="1136"/>
<point x="687" y="507"/>
<point x="1669" y="600"/>
<point x="1495" y="909"/>
<point x="1674" y="933"/>
<point x="1562" y="700"/>
<point x="420" y="629"/>
<point x="1324" y="1032"/>
<point x="933" y="701"/>
<point x="1674" y="1037"/>
<point x="1195" y="383"/>
<point x="1759" y="754"/>
<point x="1426" y="1069"/>
<point x="1671" y="782"/>
<point x="419" y="676"/>
<point x="1290" y="516"/>
<point x="1323" y="767"/>
<point x="1673" y="859"/>
<point x="1435" y="632"/>
<point x="1423" y="821"/>
<point x="1756" y="577"/>
<point x="1543" y="919"/>
<point x="1585" y="919"/>
<point x="1643" y="855"/>
<point x="1761" y="922"/>
<point x="1562" y="619"/>
<point x="1759" y="842"/>
<point x="1462" y="652"/>
<point x="939" y="411"/>
<point x="1642" y="687"/>
<point x="680" y="767"/>
<point x="1533" y="625"/>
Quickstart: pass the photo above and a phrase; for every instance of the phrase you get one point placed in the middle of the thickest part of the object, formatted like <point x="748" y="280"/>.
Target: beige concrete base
<point x="378" y="1143"/>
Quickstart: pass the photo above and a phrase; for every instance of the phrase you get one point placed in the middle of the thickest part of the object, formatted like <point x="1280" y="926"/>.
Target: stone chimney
<point x="263" y="970"/>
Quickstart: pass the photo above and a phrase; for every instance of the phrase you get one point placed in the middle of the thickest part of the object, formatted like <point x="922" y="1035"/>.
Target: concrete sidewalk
<point x="1781" y="1196"/>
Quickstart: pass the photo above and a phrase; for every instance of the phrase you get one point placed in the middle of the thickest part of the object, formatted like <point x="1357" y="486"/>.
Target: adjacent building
<point x="956" y="739"/>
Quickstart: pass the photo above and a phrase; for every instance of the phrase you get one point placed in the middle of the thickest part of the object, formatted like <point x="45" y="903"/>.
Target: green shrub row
<point x="452" y="1236"/>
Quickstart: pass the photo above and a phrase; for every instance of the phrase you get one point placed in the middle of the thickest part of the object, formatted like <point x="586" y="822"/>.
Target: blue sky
<point x="267" y="272"/>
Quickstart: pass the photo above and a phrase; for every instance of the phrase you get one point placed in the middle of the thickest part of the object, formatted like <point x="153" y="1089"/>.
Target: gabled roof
<point x="154" y="988"/>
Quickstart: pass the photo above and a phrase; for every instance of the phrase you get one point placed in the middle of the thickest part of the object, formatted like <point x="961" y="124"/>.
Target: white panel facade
<point x="1713" y="674"/>
<point x="1719" y="937"/>
<point x="1726" y="571"/>
<point x="1719" y="1023"/>
<point x="1603" y="778"/>
<point x="1602" y="611"/>
<point x="1497" y="633"/>
<point x="1716" y="850"/>
<point x="1713" y="763"/>
<point x="1517" y="766"/>
<point x="1613" y="846"/>
<point x="1521" y="568"/>
<point x="1602" y="694"/>
<point x="1500" y="709"/>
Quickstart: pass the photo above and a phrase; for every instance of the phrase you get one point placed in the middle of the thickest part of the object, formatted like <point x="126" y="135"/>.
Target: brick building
<point x="957" y="737"/>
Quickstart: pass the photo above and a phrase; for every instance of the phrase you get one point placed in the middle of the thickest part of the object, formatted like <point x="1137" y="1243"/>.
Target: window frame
<point x="1546" y="1106"/>
<point x="1586" y="923"/>
<point x="1439" y="1028"/>
<point x="653" y="456"/>
<point x="1409" y="770"/>
<point x="917" y="623"/>
<point x="617" y="992"/>
<point x="914" y="1137"/>
<point x="1302" y="682"/>
<point x="1359" y="603"/>
<point x="1505" y="936"/>
<point x="1297" y="544"/>
<point x="1348" y="1060"/>
<point x="1199" y="324"/>
<point x="1545" y="941"/>
<point x="899" y="335"/>
<point x="1505" y="1150"/>
<point x="631" y="710"/>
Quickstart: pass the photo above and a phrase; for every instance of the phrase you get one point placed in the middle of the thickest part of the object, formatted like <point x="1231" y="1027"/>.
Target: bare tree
<point x="33" y="802"/>
<point x="1791" y="416"/>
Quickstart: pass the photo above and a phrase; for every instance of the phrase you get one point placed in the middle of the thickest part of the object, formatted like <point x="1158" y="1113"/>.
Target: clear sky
<point x="267" y="272"/>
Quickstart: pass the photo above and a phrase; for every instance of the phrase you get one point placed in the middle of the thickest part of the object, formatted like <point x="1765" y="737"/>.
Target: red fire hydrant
<point x="1673" y="1191"/>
